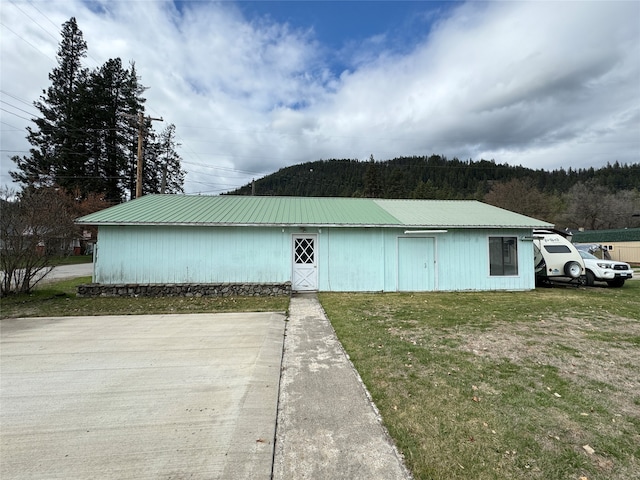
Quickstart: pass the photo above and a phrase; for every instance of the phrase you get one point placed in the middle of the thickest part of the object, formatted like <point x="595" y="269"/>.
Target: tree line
<point x="607" y="197"/>
<point x="85" y="140"/>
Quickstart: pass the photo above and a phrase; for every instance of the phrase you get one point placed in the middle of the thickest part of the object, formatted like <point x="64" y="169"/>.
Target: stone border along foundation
<point x="185" y="290"/>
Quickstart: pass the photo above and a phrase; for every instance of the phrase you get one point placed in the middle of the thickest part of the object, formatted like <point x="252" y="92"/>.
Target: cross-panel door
<point x="305" y="268"/>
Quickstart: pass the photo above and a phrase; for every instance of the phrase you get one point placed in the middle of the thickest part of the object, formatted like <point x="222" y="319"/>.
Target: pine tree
<point x="58" y="154"/>
<point x="162" y="169"/>
<point x="372" y="182"/>
<point x="396" y="185"/>
<point x="85" y="140"/>
<point x="167" y="166"/>
<point x="136" y="106"/>
<point x="115" y="99"/>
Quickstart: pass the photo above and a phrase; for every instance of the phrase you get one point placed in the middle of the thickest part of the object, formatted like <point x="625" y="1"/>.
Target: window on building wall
<point x="503" y="256"/>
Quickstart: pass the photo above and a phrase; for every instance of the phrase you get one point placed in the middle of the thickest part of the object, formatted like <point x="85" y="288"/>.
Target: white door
<point x="305" y="268"/>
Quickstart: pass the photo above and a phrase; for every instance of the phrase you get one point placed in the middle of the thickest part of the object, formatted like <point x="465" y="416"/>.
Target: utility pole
<point x="140" y="164"/>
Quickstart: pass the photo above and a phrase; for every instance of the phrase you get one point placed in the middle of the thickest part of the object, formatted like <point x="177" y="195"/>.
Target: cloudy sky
<point x="256" y="86"/>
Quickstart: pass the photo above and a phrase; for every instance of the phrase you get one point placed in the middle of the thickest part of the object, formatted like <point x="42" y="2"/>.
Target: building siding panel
<point x="192" y="255"/>
<point x="349" y="259"/>
<point x="463" y="262"/>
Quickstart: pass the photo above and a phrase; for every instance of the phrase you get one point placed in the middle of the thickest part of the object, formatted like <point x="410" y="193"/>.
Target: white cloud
<point x="545" y="85"/>
<point x="502" y="78"/>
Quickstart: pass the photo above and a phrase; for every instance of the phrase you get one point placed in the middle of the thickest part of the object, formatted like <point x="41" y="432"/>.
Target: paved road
<point x="164" y="396"/>
<point x="63" y="272"/>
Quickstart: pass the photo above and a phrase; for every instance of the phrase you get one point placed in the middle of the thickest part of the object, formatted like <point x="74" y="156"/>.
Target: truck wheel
<point x="591" y="278"/>
<point x="616" y="283"/>
<point x="572" y="269"/>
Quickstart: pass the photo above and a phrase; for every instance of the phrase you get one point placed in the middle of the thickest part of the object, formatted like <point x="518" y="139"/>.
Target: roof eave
<point x="307" y="225"/>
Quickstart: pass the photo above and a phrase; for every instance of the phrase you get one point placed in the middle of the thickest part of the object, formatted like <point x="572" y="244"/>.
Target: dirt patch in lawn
<point x="605" y="353"/>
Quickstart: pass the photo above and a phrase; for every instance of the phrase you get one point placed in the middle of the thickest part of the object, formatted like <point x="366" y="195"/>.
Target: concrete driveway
<point x="163" y="396"/>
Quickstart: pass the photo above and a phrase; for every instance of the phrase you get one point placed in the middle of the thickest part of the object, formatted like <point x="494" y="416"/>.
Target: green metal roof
<point x="307" y="211"/>
<point x="455" y="213"/>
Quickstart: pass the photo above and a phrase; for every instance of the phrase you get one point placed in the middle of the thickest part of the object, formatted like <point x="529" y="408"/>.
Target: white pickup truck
<point x="610" y="271"/>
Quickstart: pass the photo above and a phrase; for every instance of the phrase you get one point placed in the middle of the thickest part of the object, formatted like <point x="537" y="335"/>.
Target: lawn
<point x="72" y="260"/>
<point x="502" y="385"/>
<point x="58" y="299"/>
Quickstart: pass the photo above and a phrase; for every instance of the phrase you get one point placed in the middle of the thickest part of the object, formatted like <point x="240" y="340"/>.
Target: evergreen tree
<point x="372" y="183"/>
<point x="167" y="165"/>
<point x="86" y="139"/>
<point x="58" y="152"/>
<point x="135" y="90"/>
<point x="395" y="187"/>
<point x="424" y="190"/>
<point x="115" y="99"/>
<point x="162" y="171"/>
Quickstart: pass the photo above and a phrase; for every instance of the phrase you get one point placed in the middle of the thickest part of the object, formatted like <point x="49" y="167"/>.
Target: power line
<point x="214" y="183"/>
<point x="61" y="127"/>
<point x="15" y="114"/>
<point x="17" y="108"/>
<point x="34" y="21"/>
<point x="206" y="192"/>
<point x="188" y="149"/>
<point x="16" y="98"/>
<point x="229" y="169"/>
<point x="33" y="5"/>
<point x="27" y="42"/>
<point x="57" y="27"/>
<point x="12" y="126"/>
<point x="217" y="175"/>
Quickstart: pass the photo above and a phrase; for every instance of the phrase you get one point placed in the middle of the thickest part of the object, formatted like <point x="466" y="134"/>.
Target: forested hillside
<point x="428" y="177"/>
<point x="607" y="197"/>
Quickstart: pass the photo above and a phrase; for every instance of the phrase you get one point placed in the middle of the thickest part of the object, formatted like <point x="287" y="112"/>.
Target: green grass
<point x="72" y="260"/>
<point x="502" y="385"/>
<point x="58" y="299"/>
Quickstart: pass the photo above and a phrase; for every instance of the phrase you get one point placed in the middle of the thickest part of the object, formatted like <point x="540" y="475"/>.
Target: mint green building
<point x="316" y="244"/>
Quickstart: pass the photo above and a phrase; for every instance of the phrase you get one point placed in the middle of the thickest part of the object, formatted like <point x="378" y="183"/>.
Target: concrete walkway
<point x="327" y="426"/>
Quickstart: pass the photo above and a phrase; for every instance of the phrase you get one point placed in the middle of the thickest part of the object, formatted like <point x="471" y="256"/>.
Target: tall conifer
<point x="86" y="138"/>
<point x="58" y="152"/>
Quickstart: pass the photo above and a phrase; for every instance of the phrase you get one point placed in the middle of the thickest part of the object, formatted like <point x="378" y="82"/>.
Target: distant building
<point x="622" y="244"/>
